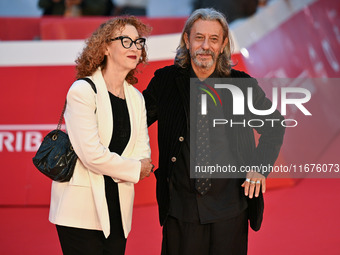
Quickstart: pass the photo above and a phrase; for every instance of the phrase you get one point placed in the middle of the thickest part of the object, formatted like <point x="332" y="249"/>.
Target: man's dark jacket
<point x="167" y="100"/>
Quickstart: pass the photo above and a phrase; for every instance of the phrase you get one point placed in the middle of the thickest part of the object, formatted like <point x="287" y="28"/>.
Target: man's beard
<point x="205" y="64"/>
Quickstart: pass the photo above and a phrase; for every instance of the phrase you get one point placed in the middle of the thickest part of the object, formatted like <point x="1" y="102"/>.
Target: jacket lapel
<point x="104" y="110"/>
<point x="129" y="95"/>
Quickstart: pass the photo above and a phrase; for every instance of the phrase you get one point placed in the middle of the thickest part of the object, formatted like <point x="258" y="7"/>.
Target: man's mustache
<point x="206" y="52"/>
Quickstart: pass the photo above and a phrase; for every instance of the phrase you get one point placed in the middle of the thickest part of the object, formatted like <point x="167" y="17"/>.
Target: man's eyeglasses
<point x="127" y="42"/>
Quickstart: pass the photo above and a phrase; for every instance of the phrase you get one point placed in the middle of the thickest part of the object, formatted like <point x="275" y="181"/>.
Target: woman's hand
<point x="146" y="168"/>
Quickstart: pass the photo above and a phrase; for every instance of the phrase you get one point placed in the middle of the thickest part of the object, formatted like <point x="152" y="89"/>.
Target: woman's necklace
<point x="117" y="93"/>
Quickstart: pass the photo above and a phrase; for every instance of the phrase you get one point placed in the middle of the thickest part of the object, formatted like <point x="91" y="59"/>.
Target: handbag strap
<point x="64" y="108"/>
<point x="91" y="83"/>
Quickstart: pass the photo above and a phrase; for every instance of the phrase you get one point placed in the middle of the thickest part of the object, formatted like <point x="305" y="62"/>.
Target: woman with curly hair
<point x="108" y="131"/>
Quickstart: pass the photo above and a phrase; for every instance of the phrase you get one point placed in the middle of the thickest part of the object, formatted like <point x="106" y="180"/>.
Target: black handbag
<point x="55" y="157"/>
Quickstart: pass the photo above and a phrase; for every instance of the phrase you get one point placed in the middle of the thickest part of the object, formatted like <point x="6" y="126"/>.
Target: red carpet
<point x="303" y="219"/>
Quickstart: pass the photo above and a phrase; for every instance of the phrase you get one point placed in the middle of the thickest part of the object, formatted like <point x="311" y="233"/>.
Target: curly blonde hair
<point x="224" y="62"/>
<point x="93" y="54"/>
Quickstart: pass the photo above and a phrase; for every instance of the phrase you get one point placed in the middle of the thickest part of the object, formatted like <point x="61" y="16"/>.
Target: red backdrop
<point x="307" y="43"/>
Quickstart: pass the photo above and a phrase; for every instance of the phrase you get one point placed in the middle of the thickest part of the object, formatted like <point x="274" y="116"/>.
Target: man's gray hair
<point x="224" y="63"/>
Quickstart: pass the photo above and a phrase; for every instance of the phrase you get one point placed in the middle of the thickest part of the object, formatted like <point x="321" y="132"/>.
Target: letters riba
<point x="19" y="141"/>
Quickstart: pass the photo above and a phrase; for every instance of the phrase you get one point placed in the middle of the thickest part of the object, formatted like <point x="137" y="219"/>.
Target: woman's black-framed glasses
<point x="127" y="42"/>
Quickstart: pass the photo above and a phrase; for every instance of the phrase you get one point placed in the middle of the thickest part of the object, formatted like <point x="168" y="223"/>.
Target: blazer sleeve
<point x="82" y="128"/>
<point x="271" y="135"/>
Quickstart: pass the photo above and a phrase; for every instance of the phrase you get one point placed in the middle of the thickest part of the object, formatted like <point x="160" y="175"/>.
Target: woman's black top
<point x="119" y="140"/>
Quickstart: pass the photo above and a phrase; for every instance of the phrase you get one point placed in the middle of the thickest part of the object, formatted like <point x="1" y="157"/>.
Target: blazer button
<point x="181" y="138"/>
<point x="173" y="159"/>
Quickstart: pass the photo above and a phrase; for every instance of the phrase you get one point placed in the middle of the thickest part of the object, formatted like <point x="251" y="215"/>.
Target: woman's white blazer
<point x="81" y="202"/>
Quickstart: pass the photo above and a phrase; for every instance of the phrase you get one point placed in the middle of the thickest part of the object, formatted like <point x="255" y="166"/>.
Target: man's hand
<point x="254" y="182"/>
<point x="146" y="168"/>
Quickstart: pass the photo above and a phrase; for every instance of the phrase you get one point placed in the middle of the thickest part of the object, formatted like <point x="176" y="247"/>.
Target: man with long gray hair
<point x="206" y="216"/>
